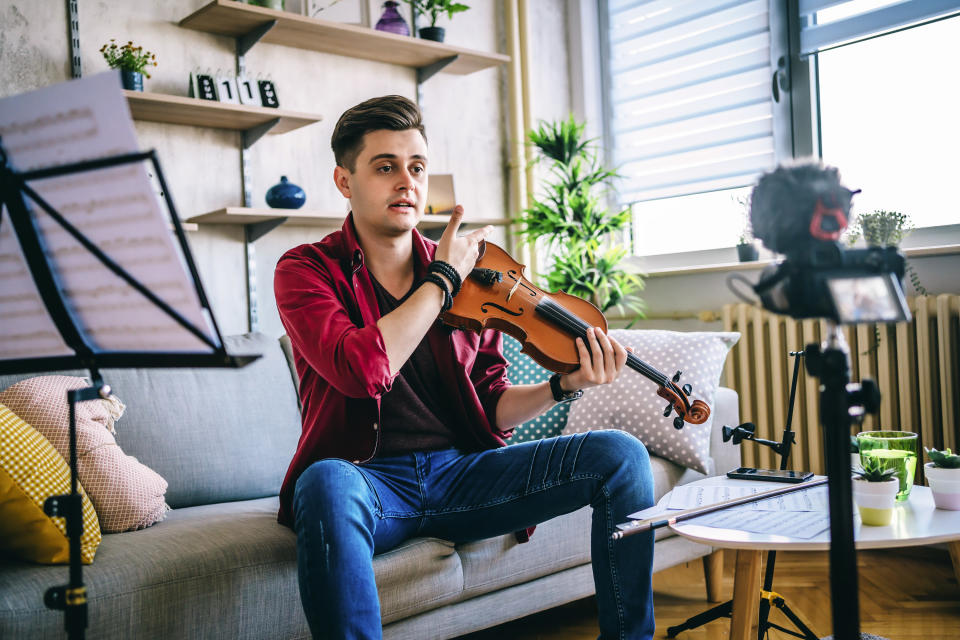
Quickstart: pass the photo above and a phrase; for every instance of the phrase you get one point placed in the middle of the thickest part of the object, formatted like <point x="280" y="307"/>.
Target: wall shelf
<point x="231" y="18"/>
<point x="159" y="107"/>
<point x="313" y="217"/>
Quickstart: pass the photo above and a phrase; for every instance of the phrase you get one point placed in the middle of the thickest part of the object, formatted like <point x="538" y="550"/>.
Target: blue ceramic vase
<point x="285" y="195"/>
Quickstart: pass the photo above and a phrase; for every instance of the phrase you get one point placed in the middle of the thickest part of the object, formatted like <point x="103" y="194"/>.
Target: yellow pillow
<point x="31" y="470"/>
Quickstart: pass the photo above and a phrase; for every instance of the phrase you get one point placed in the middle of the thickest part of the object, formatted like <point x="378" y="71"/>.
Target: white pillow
<point x="631" y="403"/>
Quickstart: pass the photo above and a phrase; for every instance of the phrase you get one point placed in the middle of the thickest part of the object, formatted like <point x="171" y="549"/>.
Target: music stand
<point x="71" y="598"/>
<point x="768" y="597"/>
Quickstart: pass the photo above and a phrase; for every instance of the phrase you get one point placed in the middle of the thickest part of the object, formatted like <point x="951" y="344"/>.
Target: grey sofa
<point x="220" y="566"/>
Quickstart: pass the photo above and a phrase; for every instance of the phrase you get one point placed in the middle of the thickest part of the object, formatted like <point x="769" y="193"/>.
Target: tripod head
<point x="746" y="430"/>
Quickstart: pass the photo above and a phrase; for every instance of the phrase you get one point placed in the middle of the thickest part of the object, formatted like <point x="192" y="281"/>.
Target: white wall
<point x="465" y="116"/>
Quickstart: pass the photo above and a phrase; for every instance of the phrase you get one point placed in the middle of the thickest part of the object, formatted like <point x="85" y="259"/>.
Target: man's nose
<point x="406" y="180"/>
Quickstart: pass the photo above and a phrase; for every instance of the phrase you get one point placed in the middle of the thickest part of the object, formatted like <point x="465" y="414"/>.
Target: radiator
<point x="914" y="363"/>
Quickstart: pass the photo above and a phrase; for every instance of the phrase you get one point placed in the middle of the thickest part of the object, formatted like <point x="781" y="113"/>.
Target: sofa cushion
<point x="31" y="471"/>
<point x="630" y="403"/>
<point x="523" y="370"/>
<point x="125" y="493"/>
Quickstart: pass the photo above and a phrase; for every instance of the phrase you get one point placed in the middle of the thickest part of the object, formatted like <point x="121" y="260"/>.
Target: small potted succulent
<point x="131" y="60"/>
<point x="434" y="8"/>
<point x="943" y="476"/>
<point x="875" y="492"/>
<point x="746" y="248"/>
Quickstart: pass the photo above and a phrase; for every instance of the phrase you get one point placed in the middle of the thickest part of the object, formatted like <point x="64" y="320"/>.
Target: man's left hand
<point x="601" y="361"/>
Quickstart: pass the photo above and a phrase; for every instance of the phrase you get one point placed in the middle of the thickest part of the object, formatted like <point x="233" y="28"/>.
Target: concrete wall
<point x="466" y="117"/>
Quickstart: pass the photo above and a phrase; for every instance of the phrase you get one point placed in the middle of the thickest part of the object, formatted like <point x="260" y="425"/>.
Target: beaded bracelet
<point x="437" y="280"/>
<point x="446" y="270"/>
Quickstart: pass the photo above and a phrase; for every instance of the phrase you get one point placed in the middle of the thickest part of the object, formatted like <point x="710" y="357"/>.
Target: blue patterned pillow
<point x="523" y="370"/>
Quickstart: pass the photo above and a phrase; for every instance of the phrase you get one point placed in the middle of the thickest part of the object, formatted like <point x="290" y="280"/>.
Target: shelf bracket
<point x="427" y="72"/>
<point x="254" y="133"/>
<point x="252" y="37"/>
<point x="256" y="230"/>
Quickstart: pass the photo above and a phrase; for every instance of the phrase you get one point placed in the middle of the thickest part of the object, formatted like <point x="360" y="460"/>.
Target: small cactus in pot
<point x="943" y="476"/>
<point x="875" y="492"/>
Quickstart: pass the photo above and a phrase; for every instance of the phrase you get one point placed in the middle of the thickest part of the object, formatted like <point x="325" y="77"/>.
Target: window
<point x="691" y="121"/>
<point x="888" y="120"/>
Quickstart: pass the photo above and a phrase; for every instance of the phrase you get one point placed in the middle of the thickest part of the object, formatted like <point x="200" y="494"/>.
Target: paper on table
<point x="690" y="497"/>
<point x="116" y="208"/>
<point x="795" y="524"/>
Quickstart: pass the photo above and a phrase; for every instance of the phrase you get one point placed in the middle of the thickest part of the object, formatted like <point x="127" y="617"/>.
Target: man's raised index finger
<point x="453" y="225"/>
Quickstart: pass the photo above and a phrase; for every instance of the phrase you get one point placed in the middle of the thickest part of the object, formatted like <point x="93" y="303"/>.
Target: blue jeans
<point x="346" y="513"/>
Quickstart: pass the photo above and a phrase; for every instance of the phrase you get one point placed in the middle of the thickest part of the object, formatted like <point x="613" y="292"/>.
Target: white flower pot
<point x="945" y="486"/>
<point x="875" y="500"/>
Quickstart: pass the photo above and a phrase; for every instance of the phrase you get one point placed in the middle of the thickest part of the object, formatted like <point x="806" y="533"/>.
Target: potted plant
<point x="434" y="8"/>
<point x="573" y="221"/>
<point x="131" y="60"/>
<point x="875" y="492"/>
<point x="881" y="228"/>
<point x="746" y="248"/>
<point x="943" y="476"/>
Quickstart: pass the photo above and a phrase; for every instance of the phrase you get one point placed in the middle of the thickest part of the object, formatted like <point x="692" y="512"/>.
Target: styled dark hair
<point x="394" y="113"/>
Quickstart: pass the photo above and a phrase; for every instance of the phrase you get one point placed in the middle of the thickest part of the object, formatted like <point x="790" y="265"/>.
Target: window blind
<point x="845" y="21"/>
<point x="689" y="95"/>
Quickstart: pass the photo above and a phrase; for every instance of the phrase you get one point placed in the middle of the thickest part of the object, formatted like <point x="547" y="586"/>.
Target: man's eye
<point x="419" y="170"/>
<point x="384" y="169"/>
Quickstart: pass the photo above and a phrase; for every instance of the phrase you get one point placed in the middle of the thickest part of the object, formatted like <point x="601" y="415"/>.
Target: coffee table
<point x="915" y="522"/>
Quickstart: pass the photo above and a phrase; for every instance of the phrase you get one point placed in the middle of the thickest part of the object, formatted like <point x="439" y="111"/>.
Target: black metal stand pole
<point x="725" y="609"/>
<point x="836" y="402"/>
<point x="72" y="597"/>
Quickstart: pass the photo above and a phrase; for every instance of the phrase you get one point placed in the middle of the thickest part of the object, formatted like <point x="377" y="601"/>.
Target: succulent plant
<point x="945" y="459"/>
<point x="873" y="471"/>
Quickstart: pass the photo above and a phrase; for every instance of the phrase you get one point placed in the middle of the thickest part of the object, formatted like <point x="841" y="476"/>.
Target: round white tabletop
<point x="915" y="522"/>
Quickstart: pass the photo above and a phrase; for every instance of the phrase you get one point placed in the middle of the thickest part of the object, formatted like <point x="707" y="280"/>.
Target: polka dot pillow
<point x="631" y="402"/>
<point x="523" y="370"/>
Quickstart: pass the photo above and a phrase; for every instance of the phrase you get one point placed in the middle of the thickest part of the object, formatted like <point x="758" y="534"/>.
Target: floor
<point x="909" y="594"/>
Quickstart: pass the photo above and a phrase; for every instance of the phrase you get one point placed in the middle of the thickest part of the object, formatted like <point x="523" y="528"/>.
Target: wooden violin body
<point x="496" y="295"/>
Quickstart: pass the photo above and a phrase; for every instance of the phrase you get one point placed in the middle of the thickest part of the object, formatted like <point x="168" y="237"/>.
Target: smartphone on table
<point x="771" y="475"/>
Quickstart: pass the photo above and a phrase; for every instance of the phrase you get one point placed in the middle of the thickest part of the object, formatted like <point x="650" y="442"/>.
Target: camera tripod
<point x="768" y="598"/>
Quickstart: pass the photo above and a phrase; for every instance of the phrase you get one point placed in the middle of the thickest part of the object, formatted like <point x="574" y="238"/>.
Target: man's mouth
<point x="403" y="204"/>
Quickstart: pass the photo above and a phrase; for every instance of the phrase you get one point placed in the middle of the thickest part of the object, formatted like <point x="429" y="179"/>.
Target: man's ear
<point x="341" y="178"/>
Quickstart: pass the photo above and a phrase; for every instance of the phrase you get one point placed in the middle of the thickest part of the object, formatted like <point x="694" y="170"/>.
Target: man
<point x="404" y="421"/>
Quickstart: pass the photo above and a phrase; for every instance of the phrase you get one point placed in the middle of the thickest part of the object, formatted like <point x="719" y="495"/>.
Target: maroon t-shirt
<point x="414" y="414"/>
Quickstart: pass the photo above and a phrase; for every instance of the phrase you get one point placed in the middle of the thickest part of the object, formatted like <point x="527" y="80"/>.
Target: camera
<point x="801" y="211"/>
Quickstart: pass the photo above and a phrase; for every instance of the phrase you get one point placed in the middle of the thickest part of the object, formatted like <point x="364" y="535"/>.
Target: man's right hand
<point x="460" y="252"/>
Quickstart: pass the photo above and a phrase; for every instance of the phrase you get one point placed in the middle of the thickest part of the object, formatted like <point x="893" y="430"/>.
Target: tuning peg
<point x="678" y="423"/>
<point x="687" y="388"/>
<point x="676" y="376"/>
<point x="666" y="412"/>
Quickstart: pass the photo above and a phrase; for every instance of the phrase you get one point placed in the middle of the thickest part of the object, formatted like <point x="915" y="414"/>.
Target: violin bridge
<point x="513" y="290"/>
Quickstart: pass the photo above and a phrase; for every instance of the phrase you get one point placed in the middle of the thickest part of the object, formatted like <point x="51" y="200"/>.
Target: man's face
<point x="388" y="187"/>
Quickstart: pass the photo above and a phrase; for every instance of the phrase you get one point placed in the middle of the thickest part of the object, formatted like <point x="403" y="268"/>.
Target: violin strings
<point x="578" y="327"/>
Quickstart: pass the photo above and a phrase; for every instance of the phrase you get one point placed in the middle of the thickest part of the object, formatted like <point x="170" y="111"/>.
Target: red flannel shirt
<point x="329" y="310"/>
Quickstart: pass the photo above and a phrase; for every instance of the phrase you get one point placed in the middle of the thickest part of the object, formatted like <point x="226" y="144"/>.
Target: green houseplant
<point x="131" y="60"/>
<point x="881" y="228"/>
<point x="875" y="492"/>
<point x="433" y="9"/>
<point x="943" y="476"/>
<point x="571" y="218"/>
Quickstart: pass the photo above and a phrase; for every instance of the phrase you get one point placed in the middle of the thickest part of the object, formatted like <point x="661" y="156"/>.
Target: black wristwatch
<point x="559" y="394"/>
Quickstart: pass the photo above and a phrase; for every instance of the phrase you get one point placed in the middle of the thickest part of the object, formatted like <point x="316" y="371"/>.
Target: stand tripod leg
<point x="719" y="611"/>
<point x="746" y="594"/>
<point x="779" y="603"/>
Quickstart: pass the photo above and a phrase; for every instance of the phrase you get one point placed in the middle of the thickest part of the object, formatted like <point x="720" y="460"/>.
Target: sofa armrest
<point x="726" y="412"/>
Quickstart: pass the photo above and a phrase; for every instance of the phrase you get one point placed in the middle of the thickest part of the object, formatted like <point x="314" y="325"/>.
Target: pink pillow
<point x="125" y="493"/>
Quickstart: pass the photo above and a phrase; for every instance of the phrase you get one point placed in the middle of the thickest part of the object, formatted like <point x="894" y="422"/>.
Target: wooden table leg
<point x="746" y="594"/>
<point x="713" y="574"/>
<point x="955" y="556"/>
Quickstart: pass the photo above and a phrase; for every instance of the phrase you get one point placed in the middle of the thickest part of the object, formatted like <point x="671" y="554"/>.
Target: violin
<point x="496" y="295"/>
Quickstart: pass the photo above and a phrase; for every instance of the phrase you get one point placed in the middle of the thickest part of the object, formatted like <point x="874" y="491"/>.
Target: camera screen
<point x="868" y="298"/>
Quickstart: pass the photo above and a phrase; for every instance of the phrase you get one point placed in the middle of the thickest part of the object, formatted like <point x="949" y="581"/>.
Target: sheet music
<point x="116" y="208"/>
<point x="689" y="497"/>
<point x="796" y="524"/>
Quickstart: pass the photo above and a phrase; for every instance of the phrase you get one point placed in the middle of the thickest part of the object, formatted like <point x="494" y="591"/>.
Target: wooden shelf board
<point x="159" y="107"/>
<point x="231" y="18"/>
<point x="312" y="217"/>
